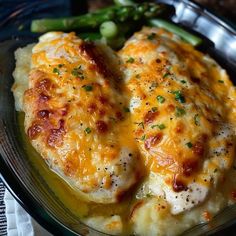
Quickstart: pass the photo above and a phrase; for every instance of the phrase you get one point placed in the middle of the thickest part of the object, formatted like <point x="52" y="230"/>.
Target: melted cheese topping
<point x="75" y="116"/>
<point x="160" y="109"/>
<point x="181" y="103"/>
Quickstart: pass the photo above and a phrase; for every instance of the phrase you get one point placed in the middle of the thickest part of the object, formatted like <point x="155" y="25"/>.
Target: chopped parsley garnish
<point x="153" y="85"/>
<point x="160" y="126"/>
<point x="221" y="81"/>
<point x="179" y="112"/>
<point x="151" y="36"/>
<point x="197" y="120"/>
<point x="160" y="99"/>
<point x="130" y="60"/>
<point x="189" y="145"/>
<point x="166" y="74"/>
<point x="143" y="137"/>
<point x="138" y="76"/>
<point x="126" y="109"/>
<point x="77" y="72"/>
<point x="56" y="71"/>
<point x="60" y="65"/>
<point x="183" y="81"/>
<point x="87" y="88"/>
<point x="148" y="195"/>
<point x="154" y="109"/>
<point x="140" y="124"/>
<point x="87" y="130"/>
<point x="179" y="96"/>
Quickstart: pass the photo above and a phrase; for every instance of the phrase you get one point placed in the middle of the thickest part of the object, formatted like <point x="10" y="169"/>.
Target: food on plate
<point x="116" y="23"/>
<point x="183" y="111"/>
<point x="145" y="135"/>
<point x="76" y="119"/>
<point x="185" y="35"/>
<point x="181" y="126"/>
<point x="133" y="12"/>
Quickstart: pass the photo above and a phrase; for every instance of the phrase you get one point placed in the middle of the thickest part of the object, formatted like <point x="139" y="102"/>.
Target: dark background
<point x="226" y="8"/>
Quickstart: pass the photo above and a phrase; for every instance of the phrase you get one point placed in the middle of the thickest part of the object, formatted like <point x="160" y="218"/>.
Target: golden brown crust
<point x="180" y="114"/>
<point x="75" y="117"/>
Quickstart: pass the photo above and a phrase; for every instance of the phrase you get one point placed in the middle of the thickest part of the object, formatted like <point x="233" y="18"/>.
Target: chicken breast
<point x="181" y="104"/>
<point x="75" y="116"/>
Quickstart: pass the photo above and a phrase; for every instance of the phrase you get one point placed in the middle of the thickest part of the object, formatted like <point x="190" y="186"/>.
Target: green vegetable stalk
<point x="123" y="2"/>
<point x="109" y="29"/>
<point x="95" y="19"/>
<point x="188" y="37"/>
<point x="90" y="36"/>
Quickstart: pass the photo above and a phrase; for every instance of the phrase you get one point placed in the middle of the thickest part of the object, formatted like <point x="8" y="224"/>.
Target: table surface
<point x="3" y="226"/>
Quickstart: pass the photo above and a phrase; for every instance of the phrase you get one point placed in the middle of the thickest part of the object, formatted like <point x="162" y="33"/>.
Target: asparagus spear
<point x="90" y="36"/>
<point x="188" y="37"/>
<point x="95" y="19"/>
<point x="108" y="29"/>
<point x="123" y="2"/>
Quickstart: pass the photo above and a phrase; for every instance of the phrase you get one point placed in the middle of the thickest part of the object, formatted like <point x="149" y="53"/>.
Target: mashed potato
<point x="21" y="74"/>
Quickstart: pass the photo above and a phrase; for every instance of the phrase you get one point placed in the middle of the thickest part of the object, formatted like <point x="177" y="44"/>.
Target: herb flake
<point x="160" y="99"/>
<point x="154" y="109"/>
<point x="179" y="96"/>
<point x="140" y="124"/>
<point x="143" y="138"/>
<point x="56" y="71"/>
<point x="151" y="36"/>
<point x="126" y="109"/>
<point x="130" y="60"/>
<point x="179" y="112"/>
<point x="153" y="85"/>
<point x="166" y="75"/>
<point x="189" y="144"/>
<point x="87" y="88"/>
<point x="77" y="72"/>
<point x="196" y="120"/>
<point x="160" y="126"/>
<point x="88" y="130"/>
